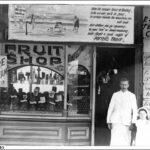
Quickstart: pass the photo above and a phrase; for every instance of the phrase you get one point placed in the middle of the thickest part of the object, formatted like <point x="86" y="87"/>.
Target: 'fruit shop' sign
<point x="49" y="56"/>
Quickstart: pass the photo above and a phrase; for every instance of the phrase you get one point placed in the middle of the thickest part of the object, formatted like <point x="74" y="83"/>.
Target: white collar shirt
<point x="122" y="108"/>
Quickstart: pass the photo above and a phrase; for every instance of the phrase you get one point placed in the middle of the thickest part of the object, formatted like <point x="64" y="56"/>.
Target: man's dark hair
<point x="124" y="79"/>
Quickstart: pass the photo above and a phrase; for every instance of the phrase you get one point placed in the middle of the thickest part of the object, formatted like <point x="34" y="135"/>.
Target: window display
<point x="36" y="89"/>
<point x="33" y="89"/>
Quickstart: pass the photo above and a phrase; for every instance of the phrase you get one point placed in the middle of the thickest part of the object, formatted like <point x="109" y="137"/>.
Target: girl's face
<point x="142" y="115"/>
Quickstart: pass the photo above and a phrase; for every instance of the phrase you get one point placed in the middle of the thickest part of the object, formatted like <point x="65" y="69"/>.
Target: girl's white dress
<point x="143" y="133"/>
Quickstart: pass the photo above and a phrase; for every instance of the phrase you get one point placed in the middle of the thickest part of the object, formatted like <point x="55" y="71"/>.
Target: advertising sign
<point x="146" y="91"/>
<point x="146" y="22"/>
<point x="72" y="23"/>
<point x="44" y="55"/>
<point x="146" y="75"/>
<point x="3" y="71"/>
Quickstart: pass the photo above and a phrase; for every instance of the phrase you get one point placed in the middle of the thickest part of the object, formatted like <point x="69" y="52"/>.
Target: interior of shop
<point x="111" y="65"/>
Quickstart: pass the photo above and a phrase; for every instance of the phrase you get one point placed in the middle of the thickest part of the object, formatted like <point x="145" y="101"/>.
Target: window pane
<point x="33" y="89"/>
<point x="79" y="76"/>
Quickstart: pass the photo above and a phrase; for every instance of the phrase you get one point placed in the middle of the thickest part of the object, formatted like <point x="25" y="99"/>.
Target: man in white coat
<point x="122" y="114"/>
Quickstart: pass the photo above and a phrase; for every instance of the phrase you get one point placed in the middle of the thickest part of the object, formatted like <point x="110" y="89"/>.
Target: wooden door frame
<point x="138" y="81"/>
<point x="93" y="96"/>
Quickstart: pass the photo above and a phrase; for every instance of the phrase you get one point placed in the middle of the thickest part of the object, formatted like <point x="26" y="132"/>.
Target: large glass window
<point x="62" y="86"/>
<point x="79" y="77"/>
<point x="33" y="89"/>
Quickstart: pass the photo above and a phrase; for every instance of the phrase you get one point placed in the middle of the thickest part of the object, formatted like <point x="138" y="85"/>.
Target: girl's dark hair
<point x="144" y="111"/>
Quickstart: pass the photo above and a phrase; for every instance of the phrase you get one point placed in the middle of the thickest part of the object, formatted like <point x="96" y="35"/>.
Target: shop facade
<point x="49" y="88"/>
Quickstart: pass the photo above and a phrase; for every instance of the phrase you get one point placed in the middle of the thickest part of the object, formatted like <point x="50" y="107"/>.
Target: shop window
<point x="79" y="76"/>
<point x="33" y="89"/>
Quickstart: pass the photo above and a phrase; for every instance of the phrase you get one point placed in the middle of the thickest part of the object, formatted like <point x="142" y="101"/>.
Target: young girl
<point x="143" y="128"/>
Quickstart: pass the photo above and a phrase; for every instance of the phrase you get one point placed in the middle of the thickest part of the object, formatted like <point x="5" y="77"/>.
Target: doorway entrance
<point x="111" y="65"/>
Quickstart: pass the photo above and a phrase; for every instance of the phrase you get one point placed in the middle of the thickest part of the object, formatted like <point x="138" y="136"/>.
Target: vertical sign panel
<point x="3" y="71"/>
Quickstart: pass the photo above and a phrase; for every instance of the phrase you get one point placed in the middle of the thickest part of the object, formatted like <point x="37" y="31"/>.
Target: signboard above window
<point x="72" y="23"/>
<point x="45" y="55"/>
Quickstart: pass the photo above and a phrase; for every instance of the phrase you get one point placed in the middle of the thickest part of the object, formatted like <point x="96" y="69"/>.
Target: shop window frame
<point x="64" y="114"/>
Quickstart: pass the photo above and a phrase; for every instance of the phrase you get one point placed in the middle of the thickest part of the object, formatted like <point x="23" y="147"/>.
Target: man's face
<point x="124" y="85"/>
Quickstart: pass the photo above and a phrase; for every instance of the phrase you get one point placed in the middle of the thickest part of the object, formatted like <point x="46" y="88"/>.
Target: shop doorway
<point x="111" y="65"/>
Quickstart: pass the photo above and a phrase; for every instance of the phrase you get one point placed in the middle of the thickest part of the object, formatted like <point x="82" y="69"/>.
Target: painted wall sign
<point x="45" y="55"/>
<point x="3" y="71"/>
<point x="146" y="75"/>
<point x="72" y="23"/>
<point x="146" y="22"/>
<point x="146" y="103"/>
<point x="146" y="91"/>
<point x="146" y="59"/>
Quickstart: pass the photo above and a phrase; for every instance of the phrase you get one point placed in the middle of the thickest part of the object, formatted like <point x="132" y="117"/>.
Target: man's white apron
<point x="120" y="135"/>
